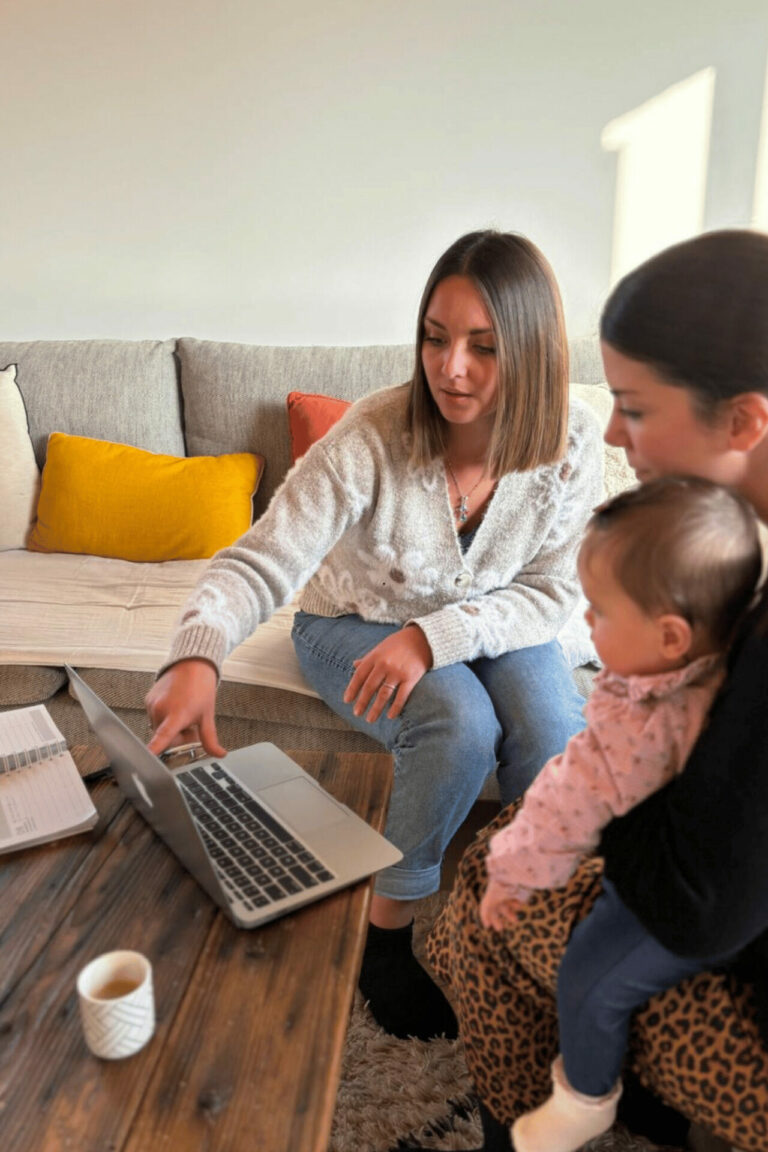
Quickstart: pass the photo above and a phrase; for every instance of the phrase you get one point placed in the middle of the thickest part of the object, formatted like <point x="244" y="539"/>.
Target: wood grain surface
<point x="250" y="1024"/>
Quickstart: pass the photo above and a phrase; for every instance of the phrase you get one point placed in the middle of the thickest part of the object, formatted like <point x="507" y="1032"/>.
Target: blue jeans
<point x="611" y="966"/>
<point x="458" y="724"/>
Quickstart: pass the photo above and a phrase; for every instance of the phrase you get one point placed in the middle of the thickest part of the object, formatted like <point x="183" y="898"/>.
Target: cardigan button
<point x="463" y="580"/>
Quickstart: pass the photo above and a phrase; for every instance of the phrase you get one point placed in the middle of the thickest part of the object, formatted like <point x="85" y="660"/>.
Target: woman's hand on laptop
<point x="182" y="707"/>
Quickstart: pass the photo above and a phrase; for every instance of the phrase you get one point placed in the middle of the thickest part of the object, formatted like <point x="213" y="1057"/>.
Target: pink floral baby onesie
<point x="639" y="733"/>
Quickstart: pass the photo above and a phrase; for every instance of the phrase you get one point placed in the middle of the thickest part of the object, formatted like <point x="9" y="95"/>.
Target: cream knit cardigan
<point x="362" y="531"/>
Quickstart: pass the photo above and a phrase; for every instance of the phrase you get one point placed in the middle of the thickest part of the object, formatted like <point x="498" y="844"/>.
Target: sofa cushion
<point x="234" y="394"/>
<point x="126" y="690"/>
<point x="107" y="499"/>
<point x="58" y="608"/>
<point x="309" y="418"/>
<point x="22" y="684"/>
<point x="19" y="474"/>
<point x="110" y="389"/>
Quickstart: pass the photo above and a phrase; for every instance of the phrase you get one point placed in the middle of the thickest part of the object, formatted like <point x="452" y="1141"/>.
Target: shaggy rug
<point x="397" y="1094"/>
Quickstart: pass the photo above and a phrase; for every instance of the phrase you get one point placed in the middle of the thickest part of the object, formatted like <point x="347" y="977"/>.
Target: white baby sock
<point x="567" y="1119"/>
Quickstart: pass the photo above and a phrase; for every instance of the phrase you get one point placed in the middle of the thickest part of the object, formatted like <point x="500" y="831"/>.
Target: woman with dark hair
<point x="685" y="347"/>
<point x="434" y="532"/>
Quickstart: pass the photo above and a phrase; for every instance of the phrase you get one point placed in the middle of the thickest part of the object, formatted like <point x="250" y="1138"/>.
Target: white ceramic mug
<point x="117" y="1005"/>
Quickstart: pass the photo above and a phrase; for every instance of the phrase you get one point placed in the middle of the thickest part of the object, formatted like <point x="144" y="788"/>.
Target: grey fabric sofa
<point x="181" y="397"/>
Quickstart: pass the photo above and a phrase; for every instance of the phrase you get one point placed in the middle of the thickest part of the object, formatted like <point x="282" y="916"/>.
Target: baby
<point x="669" y="570"/>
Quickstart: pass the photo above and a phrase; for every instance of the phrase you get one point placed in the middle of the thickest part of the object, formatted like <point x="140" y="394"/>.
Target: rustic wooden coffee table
<point x="250" y="1025"/>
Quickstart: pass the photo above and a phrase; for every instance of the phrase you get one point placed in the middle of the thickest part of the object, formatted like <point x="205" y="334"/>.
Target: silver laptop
<point x="256" y="831"/>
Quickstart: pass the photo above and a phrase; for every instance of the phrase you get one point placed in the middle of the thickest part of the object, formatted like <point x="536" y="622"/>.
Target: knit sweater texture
<point x="360" y="530"/>
<point x="640" y="730"/>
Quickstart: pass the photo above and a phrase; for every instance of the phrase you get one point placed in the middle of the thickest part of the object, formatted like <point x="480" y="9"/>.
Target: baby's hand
<point x="497" y="908"/>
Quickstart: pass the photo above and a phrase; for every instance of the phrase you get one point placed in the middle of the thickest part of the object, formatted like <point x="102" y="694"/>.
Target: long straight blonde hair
<point x="521" y="296"/>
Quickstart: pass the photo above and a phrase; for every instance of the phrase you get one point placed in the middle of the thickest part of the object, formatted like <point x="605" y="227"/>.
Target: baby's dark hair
<point x="684" y="545"/>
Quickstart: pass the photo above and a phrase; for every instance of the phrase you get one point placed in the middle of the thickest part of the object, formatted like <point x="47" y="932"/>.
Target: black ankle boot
<point x="402" y="998"/>
<point x="496" y="1136"/>
<point x="645" y="1115"/>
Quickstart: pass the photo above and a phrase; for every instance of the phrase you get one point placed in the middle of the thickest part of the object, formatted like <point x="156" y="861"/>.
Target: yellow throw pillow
<point x="107" y="499"/>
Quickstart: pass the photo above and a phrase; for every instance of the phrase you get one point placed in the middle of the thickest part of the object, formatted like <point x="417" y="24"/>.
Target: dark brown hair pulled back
<point x="697" y="314"/>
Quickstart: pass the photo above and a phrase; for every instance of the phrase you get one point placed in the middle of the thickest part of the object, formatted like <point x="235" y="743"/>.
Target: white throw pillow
<point x="618" y="474"/>
<point x="19" y="474"/>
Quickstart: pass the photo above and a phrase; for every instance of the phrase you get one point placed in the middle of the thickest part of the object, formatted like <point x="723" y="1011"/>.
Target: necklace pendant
<point x="463" y="514"/>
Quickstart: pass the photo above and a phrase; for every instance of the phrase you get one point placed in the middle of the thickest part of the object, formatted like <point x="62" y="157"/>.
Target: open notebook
<point x="42" y="796"/>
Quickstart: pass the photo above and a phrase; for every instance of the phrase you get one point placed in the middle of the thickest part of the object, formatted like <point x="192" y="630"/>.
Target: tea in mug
<point x="113" y="989"/>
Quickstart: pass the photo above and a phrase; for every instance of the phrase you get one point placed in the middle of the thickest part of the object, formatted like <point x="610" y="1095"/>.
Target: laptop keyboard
<point x="258" y="860"/>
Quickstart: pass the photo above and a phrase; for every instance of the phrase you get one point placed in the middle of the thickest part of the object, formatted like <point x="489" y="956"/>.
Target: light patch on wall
<point x="661" y="178"/>
<point x="760" y="209"/>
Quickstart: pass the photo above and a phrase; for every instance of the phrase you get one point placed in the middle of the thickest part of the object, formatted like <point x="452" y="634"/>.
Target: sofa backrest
<point x="206" y="397"/>
<point x="235" y="394"/>
<point x="121" y="390"/>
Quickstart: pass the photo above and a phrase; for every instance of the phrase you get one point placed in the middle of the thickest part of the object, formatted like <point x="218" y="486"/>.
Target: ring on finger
<point x="392" y="687"/>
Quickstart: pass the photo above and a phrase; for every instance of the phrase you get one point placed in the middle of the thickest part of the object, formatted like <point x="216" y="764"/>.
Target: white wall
<point x="288" y="173"/>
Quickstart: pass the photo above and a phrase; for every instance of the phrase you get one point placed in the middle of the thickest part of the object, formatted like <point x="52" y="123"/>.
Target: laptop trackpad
<point x="301" y="805"/>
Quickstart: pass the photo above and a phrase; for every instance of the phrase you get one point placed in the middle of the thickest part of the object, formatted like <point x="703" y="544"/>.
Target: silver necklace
<point x="460" y="507"/>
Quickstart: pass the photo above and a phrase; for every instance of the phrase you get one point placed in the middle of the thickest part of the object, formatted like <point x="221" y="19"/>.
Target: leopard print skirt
<point x="696" y="1046"/>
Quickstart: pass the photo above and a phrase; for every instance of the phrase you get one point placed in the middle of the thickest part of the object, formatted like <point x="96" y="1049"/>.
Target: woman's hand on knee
<point x="497" y="908"/>
<point x="388" y="673"/>
<point x="182" y="707"/>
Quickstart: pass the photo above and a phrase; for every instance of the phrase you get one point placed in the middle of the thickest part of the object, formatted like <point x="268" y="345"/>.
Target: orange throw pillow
<point x="309" y="417"/>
